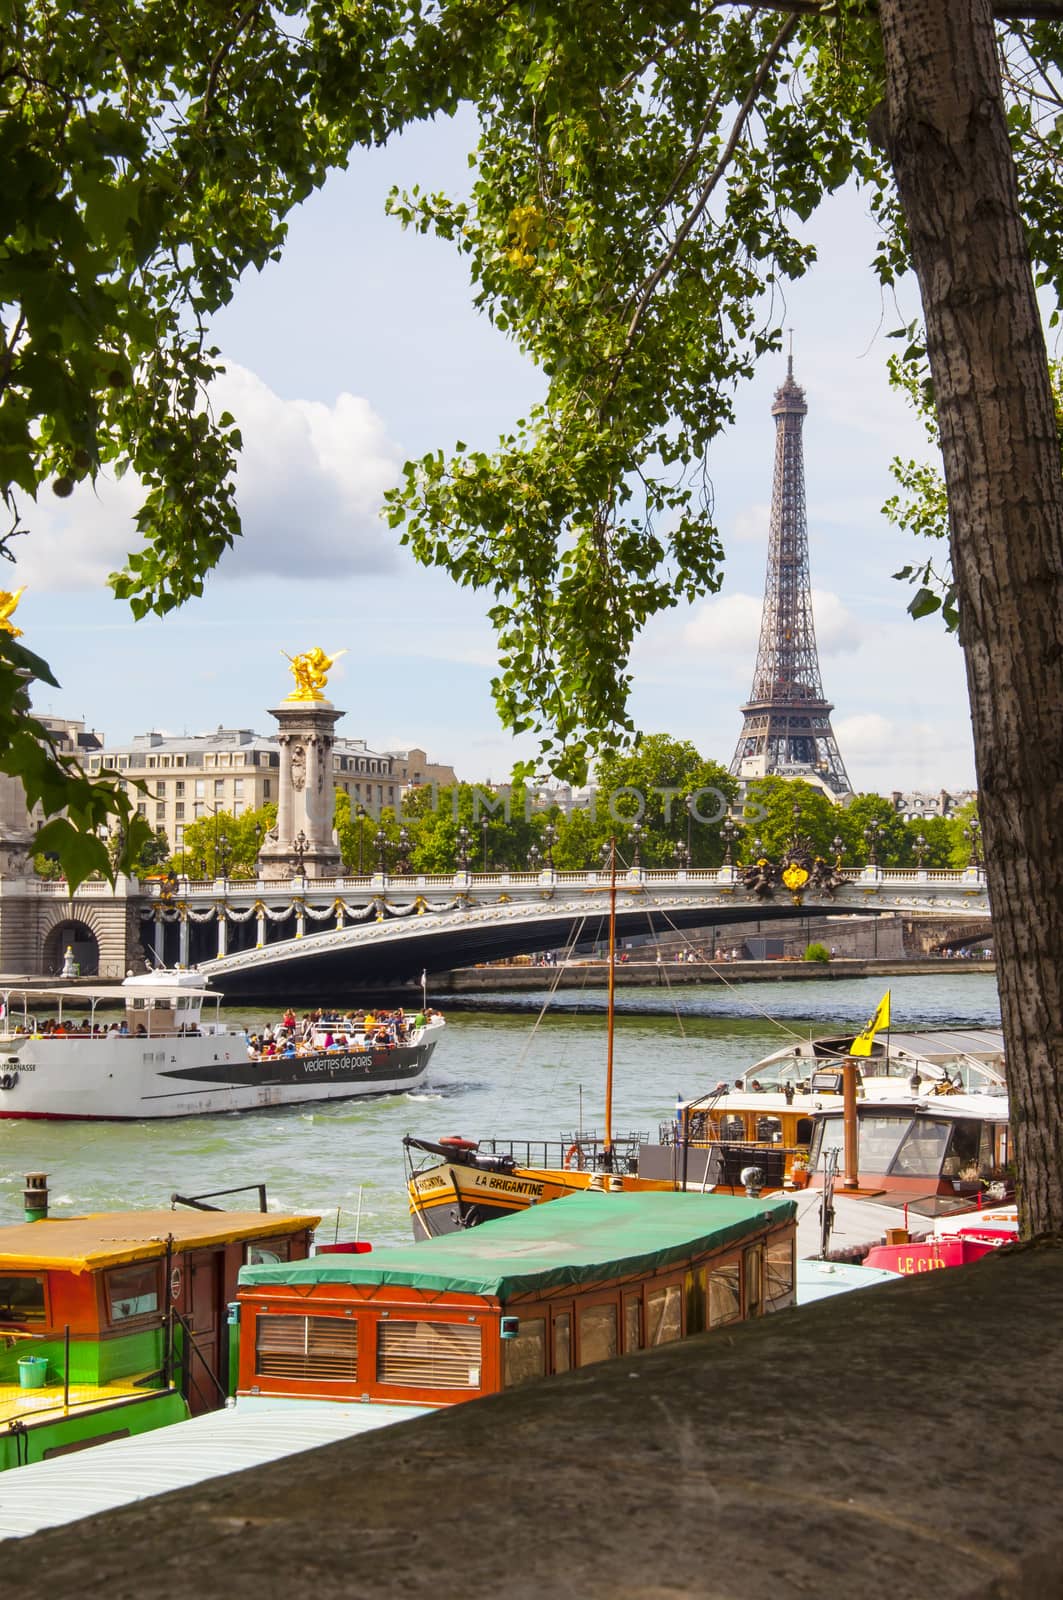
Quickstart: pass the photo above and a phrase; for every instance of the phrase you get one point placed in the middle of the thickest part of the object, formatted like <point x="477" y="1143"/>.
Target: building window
<point x="160" y="811"/>
<point x="164" y="761"/>
<point x="219" y="788"/>
<point x="160" y="789"/>
<point x="224" y="758"/>
<point x="179" y="835"/>
<point x="179" y="788"/>
<point x="238" y="759"/>
<point x="201" y="788"/>
<point x="142" y="809"/>
<point x="178" y="761"/>
<point x="238" y="788"/>
<point x="151" y="762"/>
<point x="208" y="761"/>
<point x="265" y="788"/>
<point x="198" y="809"/>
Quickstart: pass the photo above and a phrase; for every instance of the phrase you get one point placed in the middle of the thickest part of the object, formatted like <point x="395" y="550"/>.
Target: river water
<point x="493" y="1074"/>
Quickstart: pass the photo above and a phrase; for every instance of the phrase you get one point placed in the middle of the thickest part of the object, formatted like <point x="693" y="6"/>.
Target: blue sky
<point x="361" y="349"/>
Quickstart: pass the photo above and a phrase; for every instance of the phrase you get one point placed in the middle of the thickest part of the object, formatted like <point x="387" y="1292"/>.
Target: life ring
<point x="574" y="1158"/>
<point x="8" y="1080"/>
<point x="454" y="1141"/>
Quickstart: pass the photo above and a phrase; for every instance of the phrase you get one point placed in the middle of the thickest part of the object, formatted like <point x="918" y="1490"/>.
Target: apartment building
<point x="233" y="770"/>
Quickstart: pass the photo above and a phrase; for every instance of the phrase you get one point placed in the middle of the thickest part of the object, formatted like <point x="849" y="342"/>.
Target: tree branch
<point x="683" y="232"/>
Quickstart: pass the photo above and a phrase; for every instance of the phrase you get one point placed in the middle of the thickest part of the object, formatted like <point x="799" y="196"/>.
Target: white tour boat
<point x="163" y="1060"/>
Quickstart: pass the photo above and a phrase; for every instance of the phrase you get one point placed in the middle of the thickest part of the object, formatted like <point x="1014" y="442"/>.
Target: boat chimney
<point x="35" y="1196"/>
<point x="753" y="1178"/>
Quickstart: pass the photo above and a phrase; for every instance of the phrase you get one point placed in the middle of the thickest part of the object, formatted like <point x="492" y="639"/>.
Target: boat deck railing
<point x="582" y="1148"/>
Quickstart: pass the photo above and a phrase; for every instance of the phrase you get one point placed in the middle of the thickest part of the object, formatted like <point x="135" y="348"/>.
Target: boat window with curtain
<point x="725" y="1294"/>
<point x="597" y="1334"/>
<point x="632" y="1323"/>
<point x="562" y="1341"/>
<point x="524" y="1358"/>
<point x="429" y="1355"/>
<point x="664" y="1315"/>
<point x="779" y="1271"/>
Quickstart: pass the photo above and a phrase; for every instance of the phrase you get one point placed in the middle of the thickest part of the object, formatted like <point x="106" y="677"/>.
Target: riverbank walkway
<point x="898" y="1443"/>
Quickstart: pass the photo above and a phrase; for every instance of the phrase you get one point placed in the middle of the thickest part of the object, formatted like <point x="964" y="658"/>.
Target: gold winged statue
<point x="8" y="601"/>
<point x="310" y="671"/>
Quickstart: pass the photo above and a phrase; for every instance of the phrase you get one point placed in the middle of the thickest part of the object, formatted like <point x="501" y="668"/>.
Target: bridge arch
<point x="79" y="936"/>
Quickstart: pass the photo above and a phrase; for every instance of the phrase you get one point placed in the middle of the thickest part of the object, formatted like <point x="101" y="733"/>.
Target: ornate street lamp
<point x="605" y="855"/>
<point x="359" y="814"/>
<point x="682" y="857"/>
<point x="758" y="848"/>
<point x="973" y="834"/>
<point x="872" y="834"/>
<point x="402" y="865"/>
<point x="549" y="840"/>
<point x="483" y="836"/>
<point x="300" y="845"/>
<point x="380" y="839"/>
<point x="729" y="833"/>
<point x="535" y="855"/>
<point x="222" y="856"/>
<point x="689" y="803"/>
<point x="921" y="848"/>
<point x="463" y="849"/>
<point x="637" y="831"/>
<point x="837" y="844"/>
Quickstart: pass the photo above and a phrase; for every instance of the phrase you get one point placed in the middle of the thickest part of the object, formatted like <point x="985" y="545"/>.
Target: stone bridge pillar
<point x="302" y="841"/>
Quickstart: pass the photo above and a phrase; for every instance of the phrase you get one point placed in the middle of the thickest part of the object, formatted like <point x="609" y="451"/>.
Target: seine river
<point x="493" y="1073"/>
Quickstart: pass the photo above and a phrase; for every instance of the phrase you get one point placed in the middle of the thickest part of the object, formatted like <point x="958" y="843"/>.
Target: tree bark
<point x="948" y="144"/>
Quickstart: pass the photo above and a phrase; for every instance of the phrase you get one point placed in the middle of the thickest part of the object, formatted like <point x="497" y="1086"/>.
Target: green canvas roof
<point x="576" y="1240"/>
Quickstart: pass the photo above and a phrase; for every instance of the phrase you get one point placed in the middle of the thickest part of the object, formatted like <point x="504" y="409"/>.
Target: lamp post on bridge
<point x="483" y="835"/>
<point x="359" y="813"/>
<point x="872" y="834"/>
<point x="402" y="865"/>
<point x="837" y="844"/>
<point x="535" y="856"/>
<point x="920" y="851"/>
<point x="463" y="849"/>
<point x="973" y="834"/>
<point x="380" y="839"/>
<point x="729" y="833"/>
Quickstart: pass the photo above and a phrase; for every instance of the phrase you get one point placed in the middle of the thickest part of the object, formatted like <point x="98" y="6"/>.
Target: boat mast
<point x="607" y="1139"/>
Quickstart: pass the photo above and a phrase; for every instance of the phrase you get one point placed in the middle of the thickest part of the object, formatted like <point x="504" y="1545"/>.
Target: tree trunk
<point x="947" y="141"/>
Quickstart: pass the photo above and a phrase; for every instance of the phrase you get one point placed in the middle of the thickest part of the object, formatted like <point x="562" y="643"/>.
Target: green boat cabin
<point x="556" y="1286"/>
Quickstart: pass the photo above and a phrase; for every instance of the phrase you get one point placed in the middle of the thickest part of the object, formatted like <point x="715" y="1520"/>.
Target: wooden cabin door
<point x="207" y="1323"/>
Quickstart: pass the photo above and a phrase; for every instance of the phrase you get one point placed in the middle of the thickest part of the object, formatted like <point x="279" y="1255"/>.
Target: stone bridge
<point x="313" y="937"/>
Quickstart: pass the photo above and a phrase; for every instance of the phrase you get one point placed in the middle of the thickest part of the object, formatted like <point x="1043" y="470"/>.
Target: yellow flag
<point x="861" y="1045"/>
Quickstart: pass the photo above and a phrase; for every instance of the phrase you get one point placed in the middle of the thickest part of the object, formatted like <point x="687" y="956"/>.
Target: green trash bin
<point x="32" y="1371"/>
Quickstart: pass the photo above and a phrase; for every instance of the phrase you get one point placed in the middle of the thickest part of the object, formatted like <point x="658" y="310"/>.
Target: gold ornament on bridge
<point x="310" y="671"/>
<point x="794" y="877"/>
<point x="9" y="599"/>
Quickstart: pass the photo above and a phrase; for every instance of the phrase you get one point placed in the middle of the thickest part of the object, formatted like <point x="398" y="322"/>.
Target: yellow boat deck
<point x="18" y="1405"/>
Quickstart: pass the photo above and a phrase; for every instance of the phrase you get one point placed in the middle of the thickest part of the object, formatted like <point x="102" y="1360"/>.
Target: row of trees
<point x="664" y="804"/>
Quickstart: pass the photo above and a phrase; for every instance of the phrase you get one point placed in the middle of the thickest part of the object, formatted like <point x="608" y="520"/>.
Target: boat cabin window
<point x="524" y="1358"/>
<point x="267" y="1254"/>
<point x="725" y="1294"/>
<point x="923" y="1149"/>
<point x="320" y="1348"/>
<point x="970" y="1152"/>
<point x="769" y="1130"/>
<point x="754" y="1274"/>
<point x="894" y="1144"/>
<point x="779" y="1270"/>
<point x="664" y="1315"/>
<point x="428" y="1355"/>
<point x="22" y="1299"/>
<point x="597" y="1334"/>
<point x="133" y="1291"/>
<point x="562" y="1341"/>
<point x="733" y="1127"/>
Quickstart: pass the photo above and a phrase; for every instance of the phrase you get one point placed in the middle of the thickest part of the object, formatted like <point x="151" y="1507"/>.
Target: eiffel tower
<point x="786" y="732"/>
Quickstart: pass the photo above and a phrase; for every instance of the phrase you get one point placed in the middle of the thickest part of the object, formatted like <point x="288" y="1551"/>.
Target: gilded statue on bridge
<point x="310" y="671"/>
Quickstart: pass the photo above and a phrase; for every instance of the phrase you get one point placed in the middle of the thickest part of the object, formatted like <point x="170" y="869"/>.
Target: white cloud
<point x="309" y="486"/>
<point x="729" y="625"/>
<point x="751" y="525"/>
